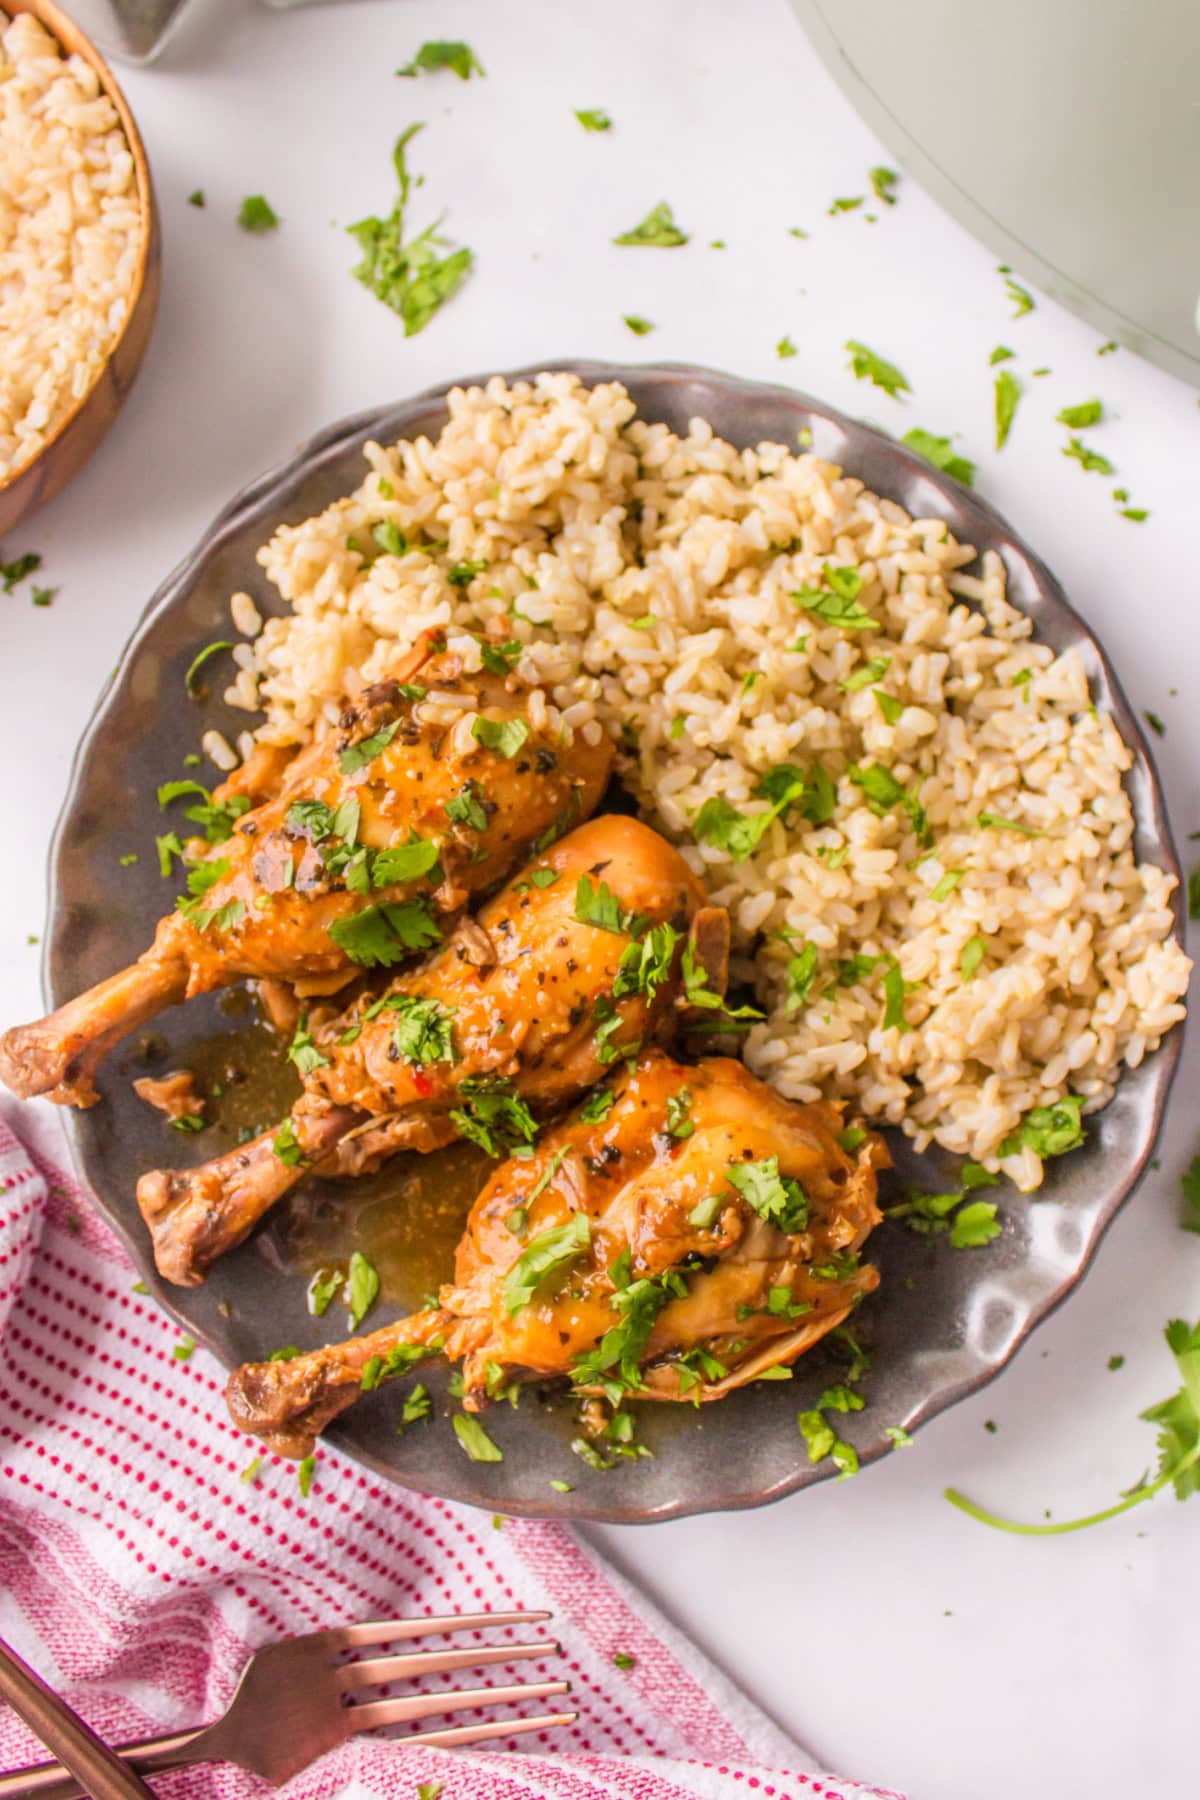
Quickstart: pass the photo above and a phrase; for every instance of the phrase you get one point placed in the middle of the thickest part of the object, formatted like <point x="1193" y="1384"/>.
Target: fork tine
<point x="495" y="1728"/>
<point x="393" y="1631"/>
<point x="422" y="1706"/>
<point x="435" y="1662"/>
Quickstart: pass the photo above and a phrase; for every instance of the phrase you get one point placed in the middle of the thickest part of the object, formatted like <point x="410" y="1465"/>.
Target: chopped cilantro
<point x="883" y="182"/>
<point x="679" y="1114"/>
<point x="596" y="904"/>
<point x="303" y="1052"/>
<point x="785" y="348"/>
<point x="1089" y="459"/>
<point x="839" y="606"/>
<point x="475" y="1440"/>
<point x="647" y="963"/>
<point x="889" y="706"/>
<point x="183" y="1349"/>
<point x="884" y="794"/>
<point x="493" y="1115"/>
<point x="545" y="1255"/>
<point x="256" y="214"/>
<point x="404" y="862"/>
<point x="423" y="1031"/>
<point x="357" y="756"/>
<point x="413" y="278"/>
<point x="19" y="569"/>
<point x="389" y="537"/>
<point x="467" y="808"/>
<point x="286" y="1145"/>
<point x="865" y="364"/>
<point x="362" y="1288"/>
<point x="304" y="1476"/>
<point x="442" y="53"/>
<point x="1007" y="397"/>
<point x="776" y="1198"/>
<point x="874" y="670"/>
<point x="1155" y="723"/>
<point x="1048" y="1130"/>
<point x="196" y="198"/>
<point x="1001" y="354"/>
<point x="384" y="934"/>
<point x="801" y="973"/>
<point x="594" y="118"/>
<point x="638" y="1305"/>
<point x="974" y="1225"/>
<point x="973" y="953"/>
<point x="657" y="230"/>
<point x="1088" y="412"/>
<point x="996" y="822"/>
<point x="1021" y="298"/>
<point x="901" y="1439"/>
<point x="941" y="453"/>
<point x="323" y="1289"/>
<point x="846" y="203"/>
<point x="506" y="736"/>
<point x="597" y="1106"/>
<point x="636" y="324"/>
<point x="947" y="884"/>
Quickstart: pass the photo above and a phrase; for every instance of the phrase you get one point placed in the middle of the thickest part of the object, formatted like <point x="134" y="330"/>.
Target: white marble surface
<point x="901" y="1641"/>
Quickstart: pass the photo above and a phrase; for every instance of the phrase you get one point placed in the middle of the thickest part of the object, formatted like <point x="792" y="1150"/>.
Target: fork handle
<point x="50" y="1781"/>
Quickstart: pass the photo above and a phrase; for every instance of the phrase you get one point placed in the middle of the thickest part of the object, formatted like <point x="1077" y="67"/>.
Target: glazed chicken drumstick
<point x="435" y="784"/>
<point x="577" y="960"/>
<point x="685" y="1230"/>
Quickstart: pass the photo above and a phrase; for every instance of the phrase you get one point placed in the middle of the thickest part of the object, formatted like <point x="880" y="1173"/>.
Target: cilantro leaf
<point x="947" y="884"/>
<point x="596" y="904"/>
<point x="493" y="1115"/>
<point x="647" y="963"/>
<point x="995" y="822"/>
<point x="467" y="808"/>
<point x="464" y="573"/>
<point x="785" y="348"/>
<point x="1088" y="412"/>
<point x="543" y="1256"/>
<point x="638" y="1305"/>
<point x="801" y="973"/>
<point x="19" y="569"/>
<point x="362" y="1286"/>
<point x="974" y="1225"/>
<point x="499" y="659"/>
<point x="1008" y="394"/>
<point x="874" y="670"/>
<point x="840" y="606"/>
<point x="1090" y="460"/>
<point x="413" y="279"/>
<point x="594" y="118"/>
<point x="1001" y="354"/>
<point x="657" y="230"/>
<point x="884" y="794"/>
<point x="503" y="735"/>
<point x="423" y="1032"/>
<point x="598" y="1105"/>
<point x="1021" y="298"/>
<point x="941" y="453"/>
<point x="404" y="862"/>
<point x="1048" y="1130"/>
<point x="303" y="1052"/>
<point x="357" y="756"/>
<point x="286" y="1146"/>
<point x="973" y="953"/>
<point x="381" y="935"/>
<point x="440" y="53"/>
<point x="257" y="214"/>
<point x="865" y="364"/>
<point x="640" y="327"/>
<point x="475" y="1440"/>
<point x="778" y="1199"/>
<point x="882" y="183"/>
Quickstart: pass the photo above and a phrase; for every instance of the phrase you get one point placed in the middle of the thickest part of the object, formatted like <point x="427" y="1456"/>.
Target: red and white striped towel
<point x="137" y="1570"/>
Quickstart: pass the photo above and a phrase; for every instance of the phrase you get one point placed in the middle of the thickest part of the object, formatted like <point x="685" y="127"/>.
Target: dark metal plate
<point x="936" y="1340"/>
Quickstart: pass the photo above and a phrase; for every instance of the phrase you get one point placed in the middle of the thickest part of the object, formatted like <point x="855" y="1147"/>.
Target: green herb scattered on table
<point x="414" y="279"/>
<point x="657" y="230"/>
<point x="257" y="214"/>
<point x="444" y="53"/>
<point x="941" y="453"/>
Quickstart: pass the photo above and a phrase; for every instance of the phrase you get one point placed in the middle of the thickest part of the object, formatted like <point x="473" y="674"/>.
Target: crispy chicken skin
<point x="526" y="1000"/>
<point x="415" y="769"/>
<point x="670" y="1279"/>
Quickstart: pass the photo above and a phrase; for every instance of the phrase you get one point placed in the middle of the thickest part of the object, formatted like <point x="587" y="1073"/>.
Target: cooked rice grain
<point x="651" y="579"/>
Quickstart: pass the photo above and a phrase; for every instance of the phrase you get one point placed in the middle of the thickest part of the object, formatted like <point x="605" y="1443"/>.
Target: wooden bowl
<point x="80" y="429"/>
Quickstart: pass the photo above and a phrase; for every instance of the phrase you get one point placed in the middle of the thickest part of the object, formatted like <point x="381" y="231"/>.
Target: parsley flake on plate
<point x="357" y="756"/>
<point x="1088" y="459"/>
<point x="1021" y="298"/>
<point x="1007" y="398"/>
<point x="776" y="1198"/>
<point x="423" y="1032"/>
<point x="256" y="214"/>
<point x="596" y="904"/>
<point x="657" y="230"/>
<point x="598" y="1105"/>
<point x="638" y="326"/>
<point x="1048" y="1130"/>
<point x="19" y="569"/>
<point x="302" y="1052"/>
<point x="444" y="53"/>
<point x="594" y="118"/>
<point x="414" y="279"/>
<point x="865" y="364"/>
<point x="840" y="605"/>
<point x="493" y="1115"/>
<point x="941" y="453"/>
<point x="362" y="1288"/>
<point x="883" y="183"/>
<point x="384" y="934"/>
<point x="1088" y="412"/>
<point x="467" y="808"/>
<point x="475" y="1440"/>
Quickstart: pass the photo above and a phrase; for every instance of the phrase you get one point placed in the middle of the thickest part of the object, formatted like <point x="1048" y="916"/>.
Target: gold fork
<point x="295" y="1701"/>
